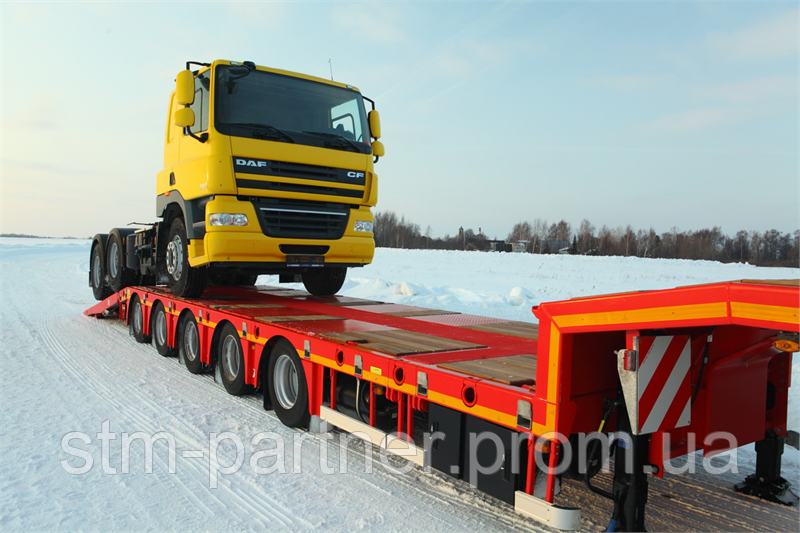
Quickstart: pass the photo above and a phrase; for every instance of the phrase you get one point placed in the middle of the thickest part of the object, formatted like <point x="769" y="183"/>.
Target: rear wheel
<point x="324" y="281"/>
<point x="288" y="391"/>
<point x="229" y="356"/>
<point x="97" y="275"/>
<point x="136" y="320"/>
<point x="158" y="328"/>
<point x="184" y="280"/>
<point x="119" y="275"/>
<point x="188" y="339"/>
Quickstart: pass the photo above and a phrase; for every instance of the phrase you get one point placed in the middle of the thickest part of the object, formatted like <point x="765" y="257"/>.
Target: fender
<point x="194" y="212"/>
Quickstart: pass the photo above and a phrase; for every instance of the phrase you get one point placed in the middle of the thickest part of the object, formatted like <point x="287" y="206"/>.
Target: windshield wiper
<point x="350" y="143"/>
<point x="272" y="129"/>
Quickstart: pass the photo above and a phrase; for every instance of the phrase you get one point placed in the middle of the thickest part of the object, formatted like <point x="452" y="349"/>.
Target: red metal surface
<point x="576" y="365"/>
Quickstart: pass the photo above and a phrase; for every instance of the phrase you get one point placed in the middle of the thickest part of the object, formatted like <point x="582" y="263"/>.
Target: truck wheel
<point x="119" y="276"/>
<point x="184" y="280"/>
<point x="97" y="275"/>
<point x="158" y="327"/>
<point x="188" y="340"/>
<point x="324" y="281"/>
<point x="288" y="391"/>
<point x="229" y="356"/>
<point x="136" y="320"/>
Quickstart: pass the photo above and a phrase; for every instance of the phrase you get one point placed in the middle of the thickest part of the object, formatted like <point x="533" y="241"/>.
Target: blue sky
<point x="653" y="114"/>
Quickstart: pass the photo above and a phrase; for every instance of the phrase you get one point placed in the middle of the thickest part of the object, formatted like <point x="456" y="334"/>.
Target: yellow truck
<point x="265" y="172"/>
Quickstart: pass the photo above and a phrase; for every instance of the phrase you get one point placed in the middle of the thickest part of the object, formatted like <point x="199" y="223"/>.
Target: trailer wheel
<point x="324" y="281"/>
<point x="119" y="276"/>
<point x="288" y="391"/>
<point x="229" y="356"/>
<point x="136" y="320"/>
<point x="97" y="275"/>
<point x="188" y="339"/>
<point x="184" y="280"/>
<point x="158" y="328"/>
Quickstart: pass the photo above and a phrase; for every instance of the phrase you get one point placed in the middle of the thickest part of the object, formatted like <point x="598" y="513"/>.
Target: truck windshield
<point x="275" y="107"/>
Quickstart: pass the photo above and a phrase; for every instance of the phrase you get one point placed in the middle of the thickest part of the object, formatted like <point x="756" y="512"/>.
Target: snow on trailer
<point x="503" y="404"/>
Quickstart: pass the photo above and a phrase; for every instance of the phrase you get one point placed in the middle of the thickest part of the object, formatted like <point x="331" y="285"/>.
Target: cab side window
<point x="200" y="105"/>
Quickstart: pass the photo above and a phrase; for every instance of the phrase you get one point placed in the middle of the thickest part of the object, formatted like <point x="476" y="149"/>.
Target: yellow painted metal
<point x="770" y="313"/>
<point x="195" y="170"/>
<point x="633" y="316"/>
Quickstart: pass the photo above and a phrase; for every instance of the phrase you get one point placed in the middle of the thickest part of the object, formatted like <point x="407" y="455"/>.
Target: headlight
<point x="363" y="225"/>
<point x="227" y="219"/>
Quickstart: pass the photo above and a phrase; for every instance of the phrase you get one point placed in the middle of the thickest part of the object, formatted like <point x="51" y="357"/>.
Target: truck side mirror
<point x="184" y="87"/>
<point x="377" y="149"/>
<point x="184" y="117"/>
<point x="375" y="124"/>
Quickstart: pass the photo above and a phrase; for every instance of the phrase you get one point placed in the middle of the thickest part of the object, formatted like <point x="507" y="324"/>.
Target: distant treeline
<point x="770" y="248"/>
<point x="26" y="236"/>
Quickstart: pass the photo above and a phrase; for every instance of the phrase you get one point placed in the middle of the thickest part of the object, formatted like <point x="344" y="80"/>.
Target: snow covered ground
<point x="64" y="374"/>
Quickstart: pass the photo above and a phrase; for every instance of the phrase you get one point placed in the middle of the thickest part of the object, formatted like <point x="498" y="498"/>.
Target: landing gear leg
<point x="630" y="478"/>
<point x="767" y="482"/>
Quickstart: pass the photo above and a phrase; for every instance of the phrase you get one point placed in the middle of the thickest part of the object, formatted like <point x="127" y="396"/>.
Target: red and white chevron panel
<point x="664" y="383"/>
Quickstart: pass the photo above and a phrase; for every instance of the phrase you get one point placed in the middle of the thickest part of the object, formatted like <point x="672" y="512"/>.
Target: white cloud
<point x="629" y="82"/>
<point x="697" y="120"/>
<point x="753" y="90"/>
<point x="371" y="27"/>
<point x="774" y="37"/>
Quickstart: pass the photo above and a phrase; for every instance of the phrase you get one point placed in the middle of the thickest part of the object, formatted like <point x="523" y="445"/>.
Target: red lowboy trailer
<point x="507" y="405"/>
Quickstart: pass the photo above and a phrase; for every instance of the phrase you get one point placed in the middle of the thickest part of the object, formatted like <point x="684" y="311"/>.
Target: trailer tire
<point x="159" y="331"/>
<point x="324" y="281"/>
<point x="136" y="320"/>
<point x="97" y="274"/>
<point x="184" y="280"/>
<point x="188" y="341"/>
<point x="230" y="357"/>
<point x="287" y="386"/>
<point x="119" y="275"/>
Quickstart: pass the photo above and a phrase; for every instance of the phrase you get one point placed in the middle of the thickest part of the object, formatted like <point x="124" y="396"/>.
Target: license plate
<point x="305" y="260"/>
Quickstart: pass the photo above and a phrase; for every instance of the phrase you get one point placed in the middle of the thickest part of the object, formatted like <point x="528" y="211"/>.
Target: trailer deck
<point x="544" y="381"/>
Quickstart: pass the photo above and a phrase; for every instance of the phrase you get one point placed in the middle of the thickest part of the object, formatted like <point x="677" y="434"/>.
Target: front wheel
<point x="325" y="281"/>
<point x="288" y="391"/>
<point x="184" y="280"/>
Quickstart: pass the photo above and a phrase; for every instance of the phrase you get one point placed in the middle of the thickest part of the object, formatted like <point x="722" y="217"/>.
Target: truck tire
<point x="136" y="320"/>
<point x="97" y="275"/>
<point x="324" y="281"/>
<point x="158" y="328"/>
<point x="287" y="388"/>
<point x="188" y="341"/>
<point x="185" y="281"/>
<point x="119" y="275"/>
<point x="231" y="360"/>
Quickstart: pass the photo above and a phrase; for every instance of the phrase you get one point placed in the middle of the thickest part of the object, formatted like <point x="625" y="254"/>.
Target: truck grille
<point x="301" y="220"/>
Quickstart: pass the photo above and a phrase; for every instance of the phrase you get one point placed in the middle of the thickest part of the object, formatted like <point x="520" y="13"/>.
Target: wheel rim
<point x="161" y="327"/>
<point x="286" y="381"/>
<point x="191" y="341"/>
<point x="137" y="316"/>
<point x="113" y="258"/>
<point x="230" y="357"/>
<point x="96" y="270"/>
<point x="175" y="257"/>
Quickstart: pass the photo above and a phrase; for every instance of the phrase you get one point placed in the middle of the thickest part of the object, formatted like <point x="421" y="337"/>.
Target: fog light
<point x="227" y="219"/>
<point x="363" y="226"/>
